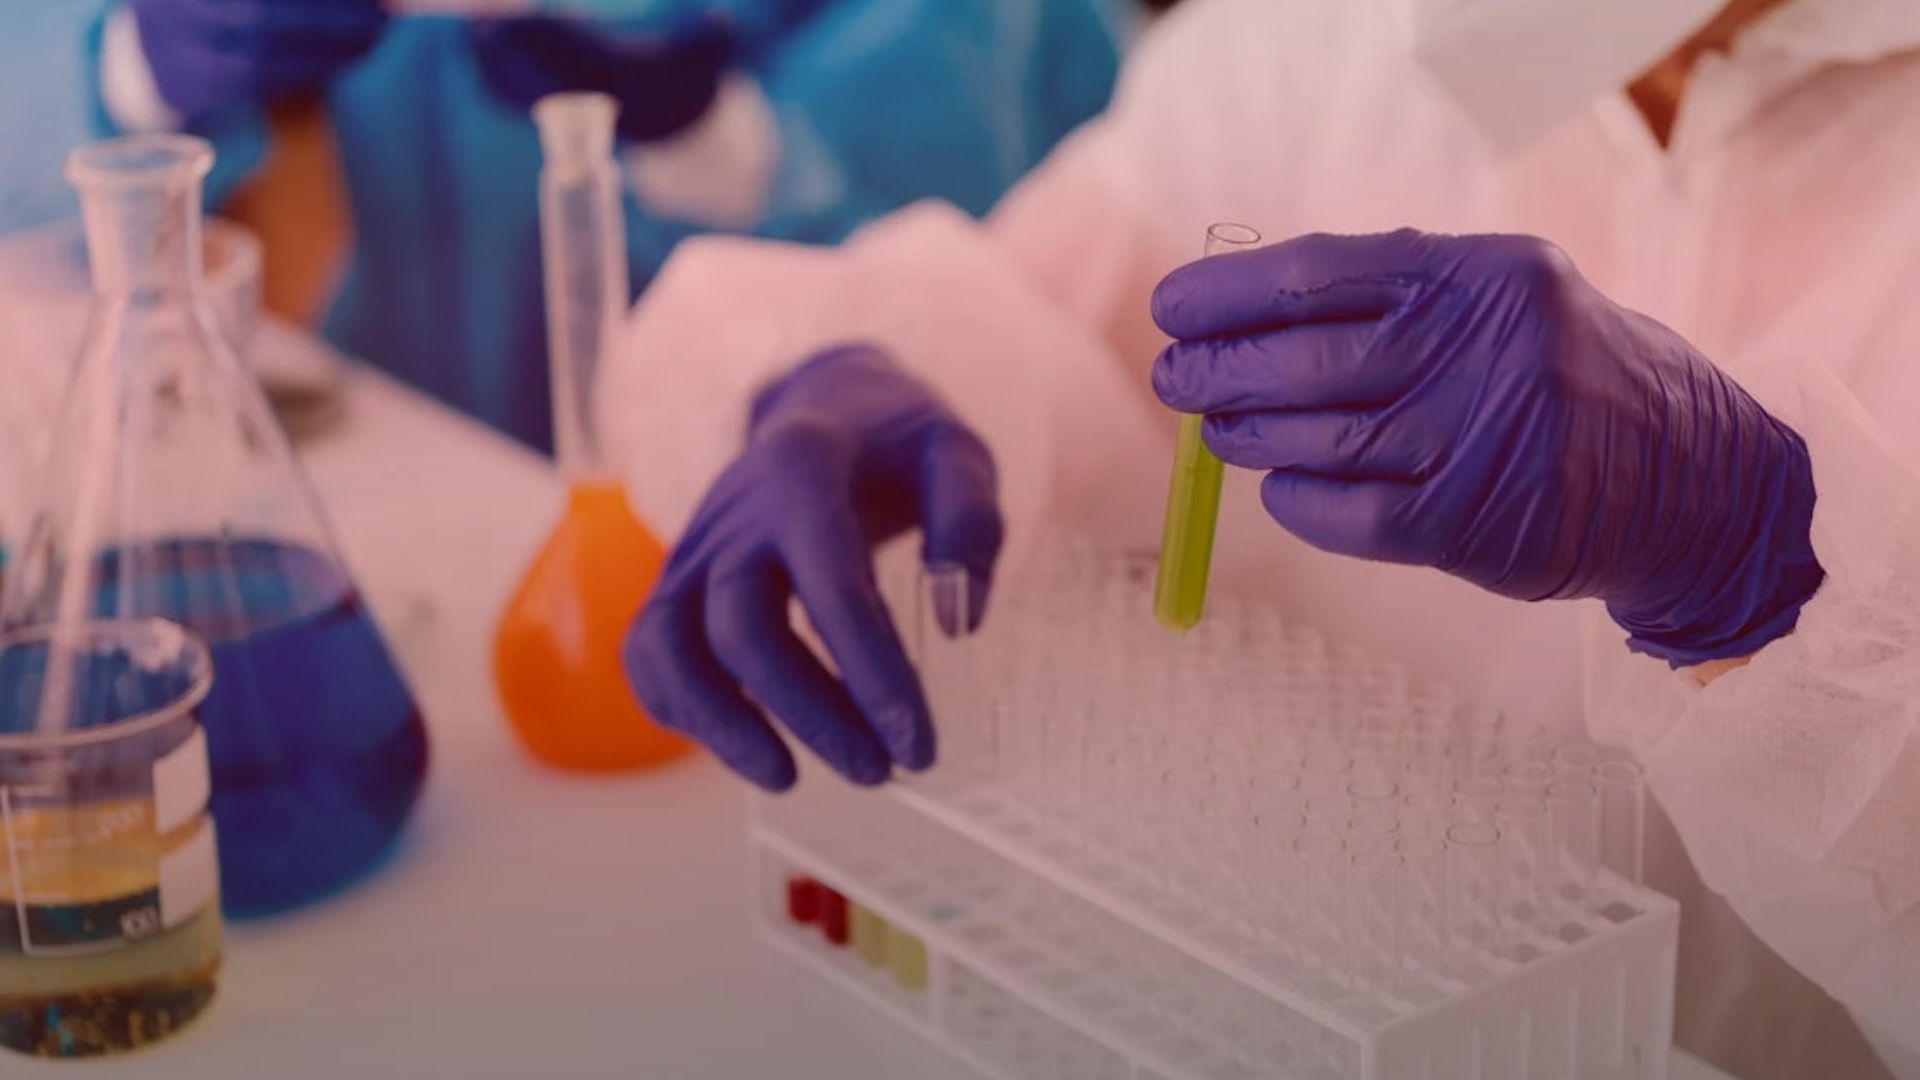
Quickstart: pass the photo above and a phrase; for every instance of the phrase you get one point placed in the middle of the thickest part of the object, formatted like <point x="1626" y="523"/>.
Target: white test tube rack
<point x="1046" y="961"/>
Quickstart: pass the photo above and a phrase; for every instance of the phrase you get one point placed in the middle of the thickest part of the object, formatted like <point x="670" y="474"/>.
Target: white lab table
<point x="532" y="924"/>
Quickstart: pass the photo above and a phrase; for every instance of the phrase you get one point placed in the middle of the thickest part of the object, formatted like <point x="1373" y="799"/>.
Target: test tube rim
<point x="1576" y="756"/>
<point x="1232" y="235"/>
<point x="1472" y="835"/>
<point x="1513" y="807"/>
<point x="1618" y="771"/>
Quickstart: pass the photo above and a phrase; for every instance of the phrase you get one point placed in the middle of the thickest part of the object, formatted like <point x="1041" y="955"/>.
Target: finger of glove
<point x="1347" y="445"/>
<point x="1314" y="278"/>
<point x="1363" y="518"/>
<point x="1301" y="367"/>
<point x="683" y="687"/>
<point x="748" y="628"/>
<point x="830" y="565"/>
<point x="526" y="57"/>
<point x="960" y="518"/>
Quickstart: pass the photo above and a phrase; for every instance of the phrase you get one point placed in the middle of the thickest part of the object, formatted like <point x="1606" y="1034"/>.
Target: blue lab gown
<point x="879" y="102"/>
<point x="45" y="108"/>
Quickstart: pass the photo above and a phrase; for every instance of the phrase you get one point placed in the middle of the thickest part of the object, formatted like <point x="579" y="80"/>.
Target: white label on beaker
<point x="181" y="785"/>
<point x="189" y="877"/>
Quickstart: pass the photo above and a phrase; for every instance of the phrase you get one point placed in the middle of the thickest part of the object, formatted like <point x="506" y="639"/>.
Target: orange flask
<point x="557" y="652"/>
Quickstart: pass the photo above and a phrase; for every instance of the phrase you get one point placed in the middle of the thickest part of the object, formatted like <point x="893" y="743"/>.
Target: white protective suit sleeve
<point x="1795" y="781"/>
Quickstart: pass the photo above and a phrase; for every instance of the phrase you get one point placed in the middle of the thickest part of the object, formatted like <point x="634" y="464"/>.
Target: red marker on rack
<point x="803" y="900"/>
<point x="834" y="917"/>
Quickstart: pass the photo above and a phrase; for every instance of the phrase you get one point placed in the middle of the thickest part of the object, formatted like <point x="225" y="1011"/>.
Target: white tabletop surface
<point x="532" y="924"/>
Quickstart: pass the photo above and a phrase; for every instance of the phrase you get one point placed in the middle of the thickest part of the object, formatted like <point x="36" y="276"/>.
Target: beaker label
<point x="181" y="784"/>
<point x="83" y="877"/>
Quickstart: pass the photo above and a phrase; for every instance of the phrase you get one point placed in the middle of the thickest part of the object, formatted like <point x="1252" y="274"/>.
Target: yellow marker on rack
<point x="870" y="937"/>
<point x="908" y="957"/>
<point x="1193" y="496"/>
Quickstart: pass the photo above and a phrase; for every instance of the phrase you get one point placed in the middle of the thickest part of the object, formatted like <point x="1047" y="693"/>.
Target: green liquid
<point x="1186" y="544"/>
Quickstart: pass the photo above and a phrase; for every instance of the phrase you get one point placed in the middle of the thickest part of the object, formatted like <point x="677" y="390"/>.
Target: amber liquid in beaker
<point x="77" y="1002"/>
<point x="557" y="653"/>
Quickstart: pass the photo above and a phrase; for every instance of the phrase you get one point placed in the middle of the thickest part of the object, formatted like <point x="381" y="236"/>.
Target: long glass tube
<point x="967" y="739"/>
<point x="1193" y="497"/>
<point x="1623" y="820"/>
<point x="1319" y="918"/>
<point x="1375" y="913"/>
<point x="1475" y="898"/>
<point x="1526" y="837"/>
<point x="1575" y="808"/>
<point x="1425" y="930"/>
<point x="585" y="263"/>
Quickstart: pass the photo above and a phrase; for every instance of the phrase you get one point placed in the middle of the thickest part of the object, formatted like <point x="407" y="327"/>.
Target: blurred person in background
<point x="1623" y="206"/>
<point x="44" y="96"/>
<point x="796" y="119"/>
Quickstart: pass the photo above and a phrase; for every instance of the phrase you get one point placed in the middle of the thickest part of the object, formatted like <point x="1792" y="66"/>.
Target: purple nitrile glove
<point x="664" y="80"/>
<point x="208" y="54"/>
<point x="1473" y="404"/>
<point x="843" y="453"/>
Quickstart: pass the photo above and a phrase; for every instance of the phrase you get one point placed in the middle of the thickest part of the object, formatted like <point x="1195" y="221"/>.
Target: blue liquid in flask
<point x="317" y="749"/>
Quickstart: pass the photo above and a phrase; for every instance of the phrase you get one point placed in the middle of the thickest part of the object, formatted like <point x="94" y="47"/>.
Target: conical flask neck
<point x="140" y="200"/>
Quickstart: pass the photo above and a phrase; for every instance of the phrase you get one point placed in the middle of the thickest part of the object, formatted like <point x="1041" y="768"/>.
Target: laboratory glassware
<point x="171" y="492"/>
<point x="557" y="649"/>
<point x="1193" y="497"/>
<point x="109" y="889"/>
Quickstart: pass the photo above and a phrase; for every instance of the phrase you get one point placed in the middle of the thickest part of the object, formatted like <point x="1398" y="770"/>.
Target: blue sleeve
<point x="882" y="102"/>
<point x="238" y="133"/>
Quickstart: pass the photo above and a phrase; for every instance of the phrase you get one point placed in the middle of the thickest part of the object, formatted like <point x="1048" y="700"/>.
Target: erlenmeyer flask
<point x="556" y="654"/>
<point x="171" y="492"/>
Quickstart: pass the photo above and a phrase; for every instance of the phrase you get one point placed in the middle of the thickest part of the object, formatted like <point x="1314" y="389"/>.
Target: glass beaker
<point x="557" y="650"/>
<point x="170" y="492"/>
<point x="109" y="913"/>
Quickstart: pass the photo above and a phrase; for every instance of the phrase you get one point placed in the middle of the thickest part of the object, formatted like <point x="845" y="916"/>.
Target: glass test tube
<point x="1575" y="809"/>
<point x="1475" y="895"/>
<point x="1526" y="836"/>
<point x="1529" y="778"/>
<point x="1424" y="901"/>
<point x="1476" y="739"/>
<point x="946" y="619"/>
<point x="1373" y="790"/>
<point x="1371" y="829"/>
<point x="1275" y="909"/>
<point x="1575" y="761"/>
<point x="1374" y="913"/>
<point x="1193" y="497"/>
<point x="1623" y="820"/>
<point x="1476" y="797"/>
<point x="1426" y="812"/>
<point x="1318" y="922"/>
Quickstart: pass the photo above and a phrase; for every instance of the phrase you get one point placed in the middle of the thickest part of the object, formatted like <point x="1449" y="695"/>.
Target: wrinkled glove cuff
<point x="1756" y="597"/>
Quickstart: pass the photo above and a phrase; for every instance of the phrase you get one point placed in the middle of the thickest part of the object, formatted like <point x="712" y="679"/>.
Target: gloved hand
<point x="1472" y="404"/>
<point x="842" y="454"/>
<point x="664" y="82"/>
<point x="207" y="54"/>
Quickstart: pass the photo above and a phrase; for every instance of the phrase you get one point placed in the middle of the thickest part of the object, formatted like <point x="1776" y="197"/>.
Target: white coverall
<point x="1779" y="232"/>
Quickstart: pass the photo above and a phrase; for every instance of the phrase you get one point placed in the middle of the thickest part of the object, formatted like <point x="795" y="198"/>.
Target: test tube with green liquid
<point x="1193" y="498"/>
